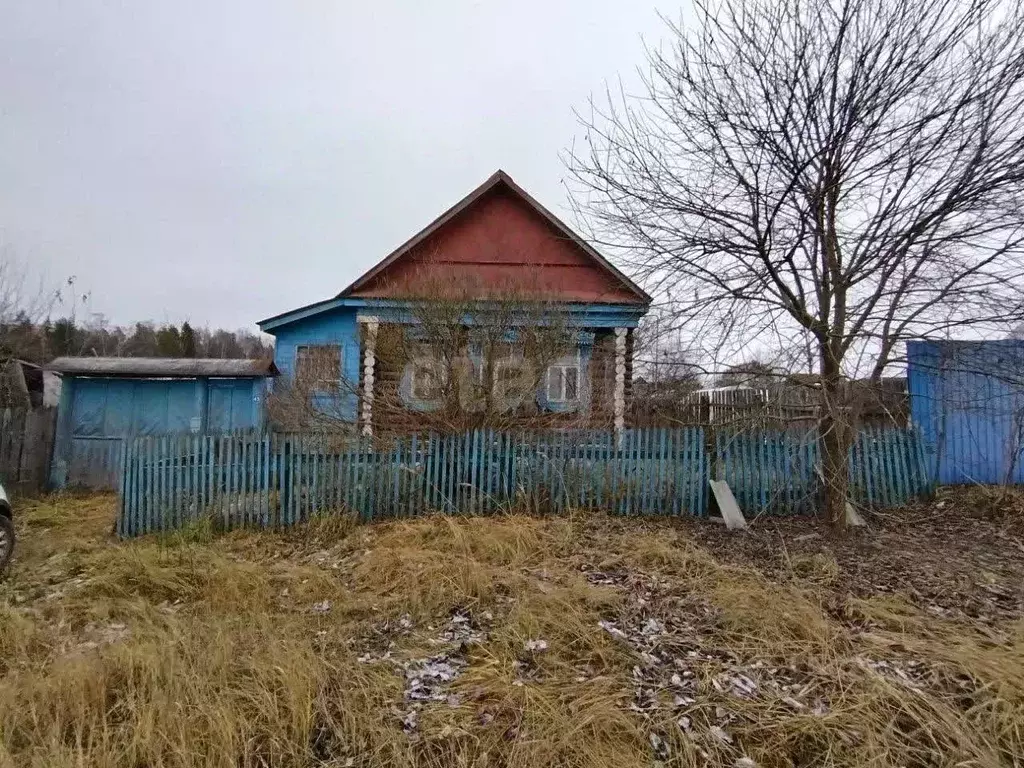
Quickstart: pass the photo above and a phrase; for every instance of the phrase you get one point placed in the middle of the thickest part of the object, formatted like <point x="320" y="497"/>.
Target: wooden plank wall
<point x="278" y="480"/>
<point x="26" y="445"/>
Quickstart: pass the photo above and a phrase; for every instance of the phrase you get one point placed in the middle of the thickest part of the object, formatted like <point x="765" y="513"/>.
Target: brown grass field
<point x="515" y="641"/>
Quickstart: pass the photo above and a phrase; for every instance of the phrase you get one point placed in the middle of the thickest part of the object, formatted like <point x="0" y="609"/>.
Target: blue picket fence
<point x="778" y="471"/>
<point x="270" y="480"/>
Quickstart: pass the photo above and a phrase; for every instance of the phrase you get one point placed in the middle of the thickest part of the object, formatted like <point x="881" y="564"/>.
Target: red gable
<point x="500" y="238"/>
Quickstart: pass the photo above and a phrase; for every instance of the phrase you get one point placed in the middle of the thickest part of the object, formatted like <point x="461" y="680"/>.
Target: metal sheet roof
<point x="162" y="367"/>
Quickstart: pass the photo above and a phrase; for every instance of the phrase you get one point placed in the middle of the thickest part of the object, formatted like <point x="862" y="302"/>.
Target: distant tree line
<point x="40" y="342"/>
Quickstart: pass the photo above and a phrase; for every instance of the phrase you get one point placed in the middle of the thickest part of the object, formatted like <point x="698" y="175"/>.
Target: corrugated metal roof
<point x="162" y="367"/>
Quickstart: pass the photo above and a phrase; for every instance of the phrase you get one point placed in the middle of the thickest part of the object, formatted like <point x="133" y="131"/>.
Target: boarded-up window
<point x="318" y="367"/>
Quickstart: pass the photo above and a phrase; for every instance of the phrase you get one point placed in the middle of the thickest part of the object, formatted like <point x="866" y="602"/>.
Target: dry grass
<point x="288" y="649"/>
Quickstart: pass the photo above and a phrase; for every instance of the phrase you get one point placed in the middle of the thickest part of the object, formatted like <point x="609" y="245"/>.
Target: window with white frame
<point x="563" y="381"/>
<point x="318" y="367"/>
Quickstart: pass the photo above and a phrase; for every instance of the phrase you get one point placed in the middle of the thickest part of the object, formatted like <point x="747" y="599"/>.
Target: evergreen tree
<point x="188" y="341"/>
<point x="168" y="341"/>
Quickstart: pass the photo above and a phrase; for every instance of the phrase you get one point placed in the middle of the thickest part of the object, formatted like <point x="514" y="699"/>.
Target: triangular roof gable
<point x="627" y="290"/>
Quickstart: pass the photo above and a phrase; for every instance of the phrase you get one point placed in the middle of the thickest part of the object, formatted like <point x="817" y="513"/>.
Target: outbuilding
<point x="104" y="399"/>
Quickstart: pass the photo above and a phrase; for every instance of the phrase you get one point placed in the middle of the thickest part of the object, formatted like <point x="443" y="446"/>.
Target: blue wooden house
<point x="495" y="246"/>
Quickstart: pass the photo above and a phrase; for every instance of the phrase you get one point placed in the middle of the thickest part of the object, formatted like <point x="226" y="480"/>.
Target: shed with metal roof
<point x="105" y="399"/>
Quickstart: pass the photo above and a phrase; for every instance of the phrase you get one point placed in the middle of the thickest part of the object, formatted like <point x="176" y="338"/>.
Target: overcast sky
<point x="225" y="160"/>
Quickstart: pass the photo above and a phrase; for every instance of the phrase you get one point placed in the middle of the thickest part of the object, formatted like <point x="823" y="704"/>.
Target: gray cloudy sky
<point x="225" y="160"/>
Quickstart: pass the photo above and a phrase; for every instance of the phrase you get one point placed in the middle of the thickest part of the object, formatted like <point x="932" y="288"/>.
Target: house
<point x="104" y="399"/>
<point x="496" y="307"/>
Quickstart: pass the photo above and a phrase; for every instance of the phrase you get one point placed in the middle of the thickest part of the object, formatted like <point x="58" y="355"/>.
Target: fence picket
<point x="396" y="474"/>
<point x="172" y="516"/>
<point x="180" y="479"/>
<point x="904" y="466"/>
<point x="698" y="483"/>
<point x="172" y="520"/>
<point x="123" y="487"/>
<point x="630" y="456"/>
<point x="689" y="461"/>
<point x="130" y="507"/>
<point x="643" y="469"/>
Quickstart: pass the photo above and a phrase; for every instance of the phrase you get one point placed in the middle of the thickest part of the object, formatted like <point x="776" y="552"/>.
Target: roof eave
<point x="167" y="368"/>
<point x="310" y="310"/>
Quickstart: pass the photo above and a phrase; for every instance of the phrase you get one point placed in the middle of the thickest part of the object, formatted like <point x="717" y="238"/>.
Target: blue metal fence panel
<point x="967" y="399"/>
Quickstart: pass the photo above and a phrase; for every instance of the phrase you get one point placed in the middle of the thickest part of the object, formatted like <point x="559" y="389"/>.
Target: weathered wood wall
<point x="782" y="407"/>
<point x="26" y="445"/>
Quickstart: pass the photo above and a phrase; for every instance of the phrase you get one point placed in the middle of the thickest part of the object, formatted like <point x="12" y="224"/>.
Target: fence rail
<point x="278" y="480"/>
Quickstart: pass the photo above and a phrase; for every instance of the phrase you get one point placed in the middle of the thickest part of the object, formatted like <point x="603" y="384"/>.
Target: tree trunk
<point x="834" y="437"/>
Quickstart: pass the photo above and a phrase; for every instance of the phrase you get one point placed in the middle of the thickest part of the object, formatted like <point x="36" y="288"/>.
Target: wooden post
<point x="61" y="460"/>
<point x="369" y="358"/>
<point x="619" y="396"/>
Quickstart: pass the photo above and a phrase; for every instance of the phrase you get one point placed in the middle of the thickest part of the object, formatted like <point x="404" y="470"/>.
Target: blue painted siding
<point x="230" y="405"/>
<point x="97" y="413"/>
<point x="337" y="326"/>
<point x="967" y="398"/>
<point x="579" y="315"/>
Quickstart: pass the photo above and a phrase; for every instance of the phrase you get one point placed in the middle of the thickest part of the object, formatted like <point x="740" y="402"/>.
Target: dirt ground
<point x="959" y="554"/>
<point x="582" y="640"/>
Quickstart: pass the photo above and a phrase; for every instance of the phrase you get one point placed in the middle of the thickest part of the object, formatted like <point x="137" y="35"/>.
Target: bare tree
<point x="20" y="297"/>
<point x="836" y="174"/>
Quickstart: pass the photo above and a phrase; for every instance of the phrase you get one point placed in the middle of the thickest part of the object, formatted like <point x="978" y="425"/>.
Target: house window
<point x="563" y="384"/>
<point x="318" y="367"/>
<point x="512" y="380"/>
<point x="428" y="380"/>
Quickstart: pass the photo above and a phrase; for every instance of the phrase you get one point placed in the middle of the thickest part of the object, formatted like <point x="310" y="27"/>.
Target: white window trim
<point x="570" y="362"/>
